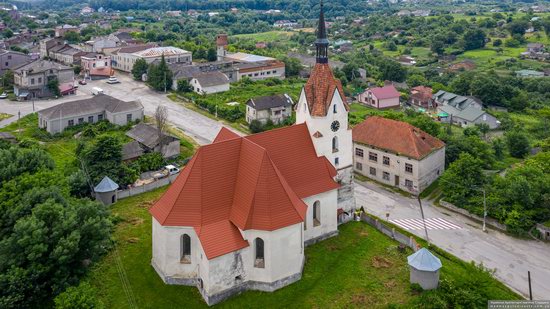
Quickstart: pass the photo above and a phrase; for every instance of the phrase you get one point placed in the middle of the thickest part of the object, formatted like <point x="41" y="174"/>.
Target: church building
<point x="240" y="214"/>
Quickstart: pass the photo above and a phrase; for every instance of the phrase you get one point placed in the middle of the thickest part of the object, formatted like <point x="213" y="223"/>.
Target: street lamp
<point x="417" y="194"/>
<point x="484" y="229"/>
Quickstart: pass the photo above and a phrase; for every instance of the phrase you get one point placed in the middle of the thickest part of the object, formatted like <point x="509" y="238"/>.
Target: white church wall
<point x="283" y="253"/>
<point x="167" y="251"/>
<point x="223" y="272"/>
<point x="328" y="214"/>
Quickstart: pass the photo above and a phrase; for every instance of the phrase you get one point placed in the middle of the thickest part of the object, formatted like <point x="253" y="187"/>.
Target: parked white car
<point x="97" y="90"/>
<point x="172" y="170"/>
<point x="113" y="80"/>
<point x="3" y="95"/>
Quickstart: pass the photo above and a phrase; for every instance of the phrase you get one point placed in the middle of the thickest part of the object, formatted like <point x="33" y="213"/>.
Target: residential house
<point x="275" y="108"/>
<point x="535" y="47"/>
<point x="466" y="65"/>
<point x="536" y="51"/>
<point x="10" y="59"/>
<point x="124" y="58"/>
<point x="463" y="111"/>
<point x="86" y="10"/>
<point x="397" y="154"/>
<point x="97" y="108"/>
<point x="60" y="31"/>
<point x="47" y="44"/>
<point x="406" y="60"/>
<point x="97" y="44"/>
<point x="209" y="82"/>
<point x="148" y="139"/>
<point x="66" y="54"/>
<point x="186" y="72"/>
<point x="380" y="97"/>
<point x="421" y="96"/>
<point x="285" y="24"/>
<point x="95" y="66"/>
<point x="31" y="79"/>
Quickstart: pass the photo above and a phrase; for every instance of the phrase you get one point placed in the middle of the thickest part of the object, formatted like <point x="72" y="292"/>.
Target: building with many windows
<point x="397" y="154"/>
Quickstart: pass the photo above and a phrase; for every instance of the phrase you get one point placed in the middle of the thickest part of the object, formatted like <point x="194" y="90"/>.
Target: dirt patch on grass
<point x="132" y="240"/>
<point x="364" y="233"/>
<point x="136" y="221"/>
<point x="390" y="284"/>
<point x="146" y="204"/>
<point x="359" y="300"/>
<point x="381" y="262"/>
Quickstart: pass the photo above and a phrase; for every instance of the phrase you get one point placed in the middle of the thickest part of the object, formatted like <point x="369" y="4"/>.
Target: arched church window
<point x="316" y="213"/>
<point x="185" y="249"/>
<point x="335" y="144"/>
<point x="259" y="260"/>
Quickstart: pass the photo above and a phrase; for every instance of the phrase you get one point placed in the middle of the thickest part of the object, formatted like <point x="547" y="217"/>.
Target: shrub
<point x="80" y="297"/>
<point x="518" y="144"/>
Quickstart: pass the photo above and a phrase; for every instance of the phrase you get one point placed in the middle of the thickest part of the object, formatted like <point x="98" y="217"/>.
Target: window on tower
<point x="334" y="108"/>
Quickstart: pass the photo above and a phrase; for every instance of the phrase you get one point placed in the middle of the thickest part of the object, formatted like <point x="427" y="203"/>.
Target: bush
<point x="518" y="144"/>
<point x="255" y="126"/>
<point x="80" y="297"/>
<point x="150" y="162"/>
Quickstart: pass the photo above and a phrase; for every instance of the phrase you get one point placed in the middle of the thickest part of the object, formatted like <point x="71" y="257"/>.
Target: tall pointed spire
<point x="321" y="44"/>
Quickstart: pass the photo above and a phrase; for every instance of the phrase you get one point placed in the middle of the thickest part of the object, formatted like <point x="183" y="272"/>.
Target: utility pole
<point x="164" y="81"/>
<point x="423" y="219"/>
<point x="33" y="105"/>
<point x="530" y="290"/>
<point x="484" y="209"/>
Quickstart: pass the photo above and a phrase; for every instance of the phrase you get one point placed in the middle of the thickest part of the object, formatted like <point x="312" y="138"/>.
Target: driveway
<point x="511" y="257"/>
<point x="201" y="128"/>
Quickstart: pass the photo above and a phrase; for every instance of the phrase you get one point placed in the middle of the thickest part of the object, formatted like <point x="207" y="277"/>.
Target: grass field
<point x="269" y="36"/>
<point x="360" y="268"/>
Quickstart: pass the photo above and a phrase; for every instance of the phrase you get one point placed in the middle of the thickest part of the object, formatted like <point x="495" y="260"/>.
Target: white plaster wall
<point x="120" y="118"/>
<point x="215" y="89"/>
<point x="424" y="171"/>
<point x="166" y="251"/>
<point x="283" y="252"/>
<point x="329" y="220"/>
<point x="323" y="145"/>
<point x="223" y="271"/>
<point x="386" y="103"/>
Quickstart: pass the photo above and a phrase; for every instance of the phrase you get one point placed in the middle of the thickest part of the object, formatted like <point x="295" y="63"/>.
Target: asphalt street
<point x="199" y="127"/>
<point x="511" y="257"/>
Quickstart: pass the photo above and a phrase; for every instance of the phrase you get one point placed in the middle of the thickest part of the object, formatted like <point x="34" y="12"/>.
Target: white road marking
<point x="431" y="224"/>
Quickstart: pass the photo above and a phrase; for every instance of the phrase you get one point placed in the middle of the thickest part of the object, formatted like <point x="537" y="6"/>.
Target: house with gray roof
<point x="461" y="110"/>
<point x="209" y="82"/>
<point x="10" y="59"/>
<point x="146" y="139"/>
<point x="31" y="79"/>
<point x="97" y="108"/>
<point x="274" y="107"/>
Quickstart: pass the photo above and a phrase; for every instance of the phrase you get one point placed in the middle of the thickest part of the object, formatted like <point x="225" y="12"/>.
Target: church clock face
<point x="335" y="126"/>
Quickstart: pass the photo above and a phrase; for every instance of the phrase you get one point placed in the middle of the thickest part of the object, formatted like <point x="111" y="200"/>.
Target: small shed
<point x="106" y="191"/>
<point x="424" y="267"/>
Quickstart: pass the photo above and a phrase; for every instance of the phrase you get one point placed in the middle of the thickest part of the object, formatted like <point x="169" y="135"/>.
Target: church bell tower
<point x="322" y="106"/>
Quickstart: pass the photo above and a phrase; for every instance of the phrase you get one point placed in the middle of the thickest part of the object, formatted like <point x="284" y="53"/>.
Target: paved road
<point x="511" y="257"/>
<point x="202" y="129"/>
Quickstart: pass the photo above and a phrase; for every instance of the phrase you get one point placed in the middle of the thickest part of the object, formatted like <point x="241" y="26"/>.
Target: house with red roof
<point x="421" y="96"/>
<point x="380" y="97"/>
<point x="397" y="154"/>
<point x="241" y="212"/>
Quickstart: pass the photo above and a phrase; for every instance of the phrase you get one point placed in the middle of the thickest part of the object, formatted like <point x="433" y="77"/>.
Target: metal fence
<point x="147" y="187"/>
<point x="406" y="240"/>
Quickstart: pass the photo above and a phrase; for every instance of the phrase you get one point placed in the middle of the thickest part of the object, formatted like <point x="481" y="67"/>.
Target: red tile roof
<point x="422" y="93"/>
<point x="396" y="136"/>
<point x="254" y="182"/>
<point x="320" y="88"/>
<point x="385" y="92"/>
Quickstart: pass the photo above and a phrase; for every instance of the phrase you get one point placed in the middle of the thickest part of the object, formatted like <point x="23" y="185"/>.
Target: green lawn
<point x="269" y="36"/>
<point x="360" y="268"/>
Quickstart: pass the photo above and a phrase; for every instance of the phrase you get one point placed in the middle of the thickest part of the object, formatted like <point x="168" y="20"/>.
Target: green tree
<point x="517" y="27"/>
<point x="416" y="80"/>
<point x="473" y="39"/>
<point x="461" y="178"/>
<point x="518" y="143"/>
<point x="497" y="43"/>
<point x="7" y="33"/>
<point x="212" y="54"/>
<point x="292" y="66"/>
<point x="139" y="68"/>
<point x="183" y="86"/>
<point x="159" y="76"/>
<point x="53" y="86"/>
<point x="72" y="37"/>
<point x="498" y="148"/>
<point x="391" y="70"/>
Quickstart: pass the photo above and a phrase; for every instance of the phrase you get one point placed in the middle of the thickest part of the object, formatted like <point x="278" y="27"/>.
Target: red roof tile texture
<point x="396" y="136"/>
<point x="421" y="93"/>
<point x="254" y="182"/>
<point x="321" y="88"/>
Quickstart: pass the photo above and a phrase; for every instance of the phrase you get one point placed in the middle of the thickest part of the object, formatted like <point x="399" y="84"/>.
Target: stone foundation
<point x="221" y="296"/>
<point x="320" y="238"/>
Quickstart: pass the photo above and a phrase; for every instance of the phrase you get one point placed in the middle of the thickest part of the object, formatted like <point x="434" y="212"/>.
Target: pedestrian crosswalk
<point x="431" y="224"/>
